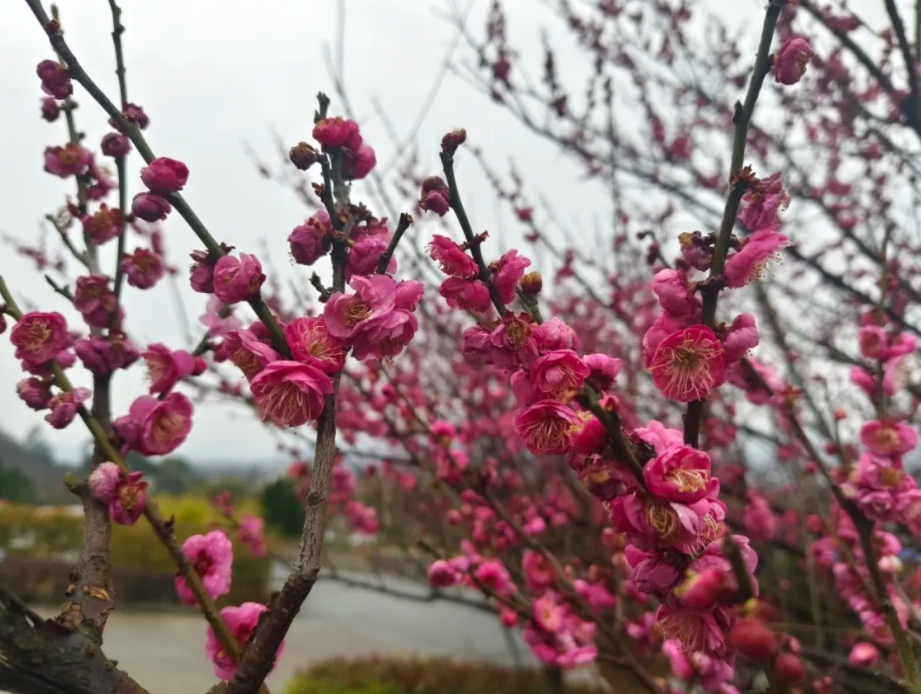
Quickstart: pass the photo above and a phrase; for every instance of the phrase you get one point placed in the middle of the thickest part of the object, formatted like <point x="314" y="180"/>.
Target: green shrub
<point x="39" y="532"/>
<point x="378" y="675"/>
<point x="284" y="512"/>
<point x="145" y="566"/>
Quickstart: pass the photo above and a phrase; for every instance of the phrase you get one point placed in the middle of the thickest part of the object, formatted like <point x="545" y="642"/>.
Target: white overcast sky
<point x="212" y="75"/>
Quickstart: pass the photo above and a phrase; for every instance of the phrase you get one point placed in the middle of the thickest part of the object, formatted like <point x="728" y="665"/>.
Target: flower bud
<point x="700" y="590"/>
<point x="891" y="565"/>
<point x="164" y="175"/>
<point x="358" y="163"/>
<point x="50" y="109"/>
<point x="791" y="60"/>
<point x="303" y="156"/>
<point x="201" y="272"/>
<point x="789" y="669"/>
<point x="441" y="574"/>
<point x="115" y="145"/>
<point x="531" y="283"/>
<point x="55" y="80"/>
<point x="133" y="114"/>
<point x="435" y="196"/>
<point x="453" y="140"/>
<point x="335" y="132"/>
<point x="753" y="639"/>
<point x="863" y="654"/>
<point x="150" y="207"/>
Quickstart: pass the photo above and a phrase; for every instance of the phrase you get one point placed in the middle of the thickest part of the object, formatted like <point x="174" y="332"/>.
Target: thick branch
<point x="39" y="656"/>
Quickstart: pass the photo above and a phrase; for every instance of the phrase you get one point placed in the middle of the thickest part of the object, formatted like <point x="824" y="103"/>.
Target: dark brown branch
<point x="473" y="242"/>
<point x="910" y="109"/>
<point x="39" y="656"/>
<point x="405" y="222"/>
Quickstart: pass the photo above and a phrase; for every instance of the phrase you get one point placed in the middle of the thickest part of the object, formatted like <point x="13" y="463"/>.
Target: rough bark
<point x="42" y="656"/>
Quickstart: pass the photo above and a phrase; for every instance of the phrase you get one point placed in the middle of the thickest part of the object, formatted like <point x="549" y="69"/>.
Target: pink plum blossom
<point x="602" y="370"/>
<point x="64" y="407"/>
<point x="311" y="343"/>
<point x="242" y="622"/>
<point x="436" y="196"/>
<point x="94" y="299"/>
<point x="688" y="364"/>
<point x="680" y="474"/>
<point x="165" y="368"/>
<point x="467" y="295"/>
<point x="741" y="337"/>
<point x="559" y="373"/>
<point x="506" y="272"/>
<point x="290" y="393"/>
<point x="103" y="225"/>
<point x="747" y="264"/>
<point x="237" y="279"/>
<point x="150" y="207"/>
<point x="35" y="393"/>
<point x="143" y="268"/>
<point x="546" y="427"/>
<point x="251" y="532"/>
<point x="452" y="259"/>
<point x="346" y="315"/>
<point x="125" y="494"/>
<point x="39" y="337"/>
<point x="672" y="289"/>
<point x="247" y="352"/>
<point x="69" y="160"/>
<point x="211" y="556"/>
<point x="888" y="438"/>
<point x="358" y="163"/>
<point x="156" y="427"/>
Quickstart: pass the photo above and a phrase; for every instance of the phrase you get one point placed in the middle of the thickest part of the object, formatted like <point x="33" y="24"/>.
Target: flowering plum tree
<point x="575" y="453"/>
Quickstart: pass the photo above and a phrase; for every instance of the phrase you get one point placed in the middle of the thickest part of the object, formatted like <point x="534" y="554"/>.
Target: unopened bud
<point x="303" y="156"/>
<point x="436" y="196"/>
<point x="890" y="565"/>
<point x="789" y="669"/>
<point x="700" y="591"/>
<point x="115" y="145"/>
<point x="453" y="140"/>
<point x="531" y="283"/>
<point x="753" y="639"/>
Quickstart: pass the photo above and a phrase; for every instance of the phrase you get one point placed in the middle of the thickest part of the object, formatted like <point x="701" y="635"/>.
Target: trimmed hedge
<point x="42" y="545"/>
<point x="377" y="675"/>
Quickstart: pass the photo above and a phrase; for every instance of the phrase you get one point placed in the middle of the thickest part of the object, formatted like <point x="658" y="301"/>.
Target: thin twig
<point x="741" y="120"/>
<point x="78" y="74"/>
<point x="259" y="658"/>
<point x="405" y="221"/>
